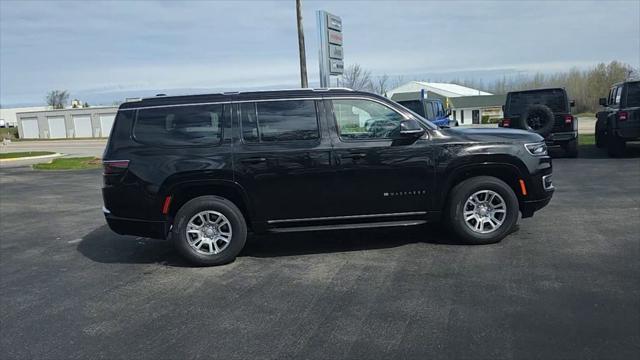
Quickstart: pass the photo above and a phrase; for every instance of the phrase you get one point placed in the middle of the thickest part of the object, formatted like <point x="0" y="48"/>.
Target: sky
<point x="105" y="51"/>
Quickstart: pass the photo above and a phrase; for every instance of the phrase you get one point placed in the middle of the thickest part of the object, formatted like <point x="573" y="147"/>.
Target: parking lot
<point x="565" y="285"/>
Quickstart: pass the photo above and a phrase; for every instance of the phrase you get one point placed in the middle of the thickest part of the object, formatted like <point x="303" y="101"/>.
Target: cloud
<point x="159" y="45"/>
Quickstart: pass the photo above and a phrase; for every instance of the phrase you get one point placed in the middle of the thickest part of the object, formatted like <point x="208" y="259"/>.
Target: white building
<point x="468" y="106"/>
<point x="92" y="122"/>
<point x="8" y="117"/>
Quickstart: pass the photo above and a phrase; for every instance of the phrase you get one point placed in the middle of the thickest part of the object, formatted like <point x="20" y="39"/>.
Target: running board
<point x="349" y="226"/>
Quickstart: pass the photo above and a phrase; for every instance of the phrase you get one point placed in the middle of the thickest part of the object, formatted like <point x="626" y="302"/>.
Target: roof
<point x="477" y="101"/>
<point x="239" y="96"/>
<point x="443" y="89"/>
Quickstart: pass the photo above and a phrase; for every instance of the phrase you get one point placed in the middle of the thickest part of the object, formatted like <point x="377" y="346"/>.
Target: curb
<point x="31" y="158"/>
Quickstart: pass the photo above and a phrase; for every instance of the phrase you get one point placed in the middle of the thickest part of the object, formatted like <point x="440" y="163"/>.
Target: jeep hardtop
<point x="203" y="170"/>
<point x="546" y="112"/>
<point x="619" y="121"/>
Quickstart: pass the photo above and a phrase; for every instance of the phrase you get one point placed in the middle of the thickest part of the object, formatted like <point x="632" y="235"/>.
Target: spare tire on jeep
<point x="537" y="118"/>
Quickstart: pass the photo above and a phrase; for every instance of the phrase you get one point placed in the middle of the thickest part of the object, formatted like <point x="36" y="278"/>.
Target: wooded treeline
<point x="583" y="86"/>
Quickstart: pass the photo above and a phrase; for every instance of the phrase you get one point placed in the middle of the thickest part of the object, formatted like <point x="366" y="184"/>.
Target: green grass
<point x="586" y="139"/>
<point x="13" y="155"/>
<point x="78" y="163"/>
<point x="9" y="133"/>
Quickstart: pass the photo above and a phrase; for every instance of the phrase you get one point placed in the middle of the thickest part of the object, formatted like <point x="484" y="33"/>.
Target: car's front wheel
<point x="482" y="210"/>
<point x="209" y="230"/>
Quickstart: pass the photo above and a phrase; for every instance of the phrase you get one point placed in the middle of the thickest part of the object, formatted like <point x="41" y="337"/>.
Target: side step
<point x="349" y="226"/>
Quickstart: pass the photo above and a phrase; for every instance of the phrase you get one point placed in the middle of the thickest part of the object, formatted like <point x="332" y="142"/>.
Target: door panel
<point x="106" y="123"/>
<point x="279" y="162"/>
<point x="30" y="129"/>
<point x="377" y="175"/>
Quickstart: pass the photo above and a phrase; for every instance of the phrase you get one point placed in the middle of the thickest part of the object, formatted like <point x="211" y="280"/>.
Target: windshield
<point x="555" y="99"/>
<point x="633" y="94"/>
<point x="421" y="118"/>
<point x="413" y="105"/>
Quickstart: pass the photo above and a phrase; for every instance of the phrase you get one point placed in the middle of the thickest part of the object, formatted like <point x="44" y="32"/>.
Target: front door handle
<point x="354" y="156"/>
<point x="254" y="160"/>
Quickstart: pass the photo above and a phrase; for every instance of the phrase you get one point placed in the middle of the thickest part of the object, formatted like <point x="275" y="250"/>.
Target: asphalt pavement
<point x="565" y="285"/>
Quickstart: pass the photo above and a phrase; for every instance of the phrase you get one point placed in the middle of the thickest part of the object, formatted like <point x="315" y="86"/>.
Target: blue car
<point x="430" y="109"/>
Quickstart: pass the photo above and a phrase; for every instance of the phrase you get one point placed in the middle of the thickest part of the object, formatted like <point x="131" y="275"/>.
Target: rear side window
<point x="270" y="121"/>
<point x="554" y="99"/>
<point x="180" y="125"/>
<point x="633" y="94"/>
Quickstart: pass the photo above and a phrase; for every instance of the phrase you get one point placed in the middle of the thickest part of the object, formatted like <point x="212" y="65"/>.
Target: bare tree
<point x="381" y="85"/>
<point x="57" y="98"/>
<point x="357" y="78"/>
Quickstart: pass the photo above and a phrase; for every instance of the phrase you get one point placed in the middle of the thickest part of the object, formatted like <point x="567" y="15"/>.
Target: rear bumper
<point x="137" y="227"/>
<point x="560" y="138"/>
<point x="628" y="134"/>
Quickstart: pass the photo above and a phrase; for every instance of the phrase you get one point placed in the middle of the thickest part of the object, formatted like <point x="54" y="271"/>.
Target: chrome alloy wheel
<point x="485" y="211"/>
<point x="209" y="232"/>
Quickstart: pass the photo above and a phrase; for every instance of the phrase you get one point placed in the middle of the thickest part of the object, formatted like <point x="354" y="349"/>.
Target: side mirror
<point x="411" y="128"/>
<point x="572" y="103"/>
<point x="502" y="108"/>
<point x="447" y="113"/>
<point x="603" y="101"/>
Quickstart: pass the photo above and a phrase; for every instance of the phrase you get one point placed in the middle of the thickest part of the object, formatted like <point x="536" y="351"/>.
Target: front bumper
<point x="137" y="227"/>
<point x="540" y="190"/>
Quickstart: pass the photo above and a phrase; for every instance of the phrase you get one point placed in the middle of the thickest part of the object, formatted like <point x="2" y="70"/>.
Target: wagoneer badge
<point x="406" y="193"/>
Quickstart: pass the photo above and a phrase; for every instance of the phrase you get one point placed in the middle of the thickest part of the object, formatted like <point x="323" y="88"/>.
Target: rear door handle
<point x="254" y="160"/>
<point x="354" y="156"/>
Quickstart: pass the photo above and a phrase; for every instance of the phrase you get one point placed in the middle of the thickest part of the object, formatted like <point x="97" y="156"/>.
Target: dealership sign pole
<point x="330" y="55"/>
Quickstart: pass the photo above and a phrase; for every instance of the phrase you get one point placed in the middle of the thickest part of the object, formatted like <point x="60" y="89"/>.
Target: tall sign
<point x="330" y="39"/>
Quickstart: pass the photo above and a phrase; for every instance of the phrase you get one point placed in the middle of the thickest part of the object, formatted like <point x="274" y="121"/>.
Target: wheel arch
<point x="509" y="170"/>
<point x="183" y="191"/>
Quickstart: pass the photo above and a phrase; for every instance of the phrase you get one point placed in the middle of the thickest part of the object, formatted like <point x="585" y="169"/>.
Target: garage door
<point x="30" y="128"/>
<point x="82" y="125"/>
<point x="106" y="122"/>
<point x="57" y="129"/>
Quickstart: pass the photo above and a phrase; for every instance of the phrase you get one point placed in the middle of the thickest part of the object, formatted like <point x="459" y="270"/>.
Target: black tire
<point x="463" y="191"/>
<point x="571" y="148"/>
<point x="615" y="145"/>
<point x="537" y="118"/>
<point x="600" y="139"/>
<point x="217" y="204"/>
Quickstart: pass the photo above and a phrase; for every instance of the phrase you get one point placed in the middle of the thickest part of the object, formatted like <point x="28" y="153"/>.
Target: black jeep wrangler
<point x="203" y="170"/>
<point x="619" y="122"/>
<point x="546" y="112"/>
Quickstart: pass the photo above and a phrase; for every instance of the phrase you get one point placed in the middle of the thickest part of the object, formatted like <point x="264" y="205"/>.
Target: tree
<point x="381" y="85"/>
<point x="357" y="78"/>
<point x="57" y="99"/>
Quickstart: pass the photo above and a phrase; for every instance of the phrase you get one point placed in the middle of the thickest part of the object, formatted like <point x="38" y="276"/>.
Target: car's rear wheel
<point x="209" y="230"/>
<point x="571" y="148"/>
<point x="615" y="145"/>
<point x="482" y="210"/>
<point x="600" y="139"/>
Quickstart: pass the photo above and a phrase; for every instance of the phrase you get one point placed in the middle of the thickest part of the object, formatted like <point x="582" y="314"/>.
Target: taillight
<point x="623" y="115"/>
<point x="506" y="122"/>
<point x="568" y="119"/>
<point x="111" y="167"/>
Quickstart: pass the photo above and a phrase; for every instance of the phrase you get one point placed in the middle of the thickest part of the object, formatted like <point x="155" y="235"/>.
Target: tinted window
<point x="554" y="99"/>
<point x="279" y="121"/>
<point x="618" y="94"/>
<point x="431" y="114"/>
<point x="249" y="120"/>
<point x="180" y="125"/>
<point x="365" y="119"/>
<point x="633" y="94"/>
<point x="413" y="105"/>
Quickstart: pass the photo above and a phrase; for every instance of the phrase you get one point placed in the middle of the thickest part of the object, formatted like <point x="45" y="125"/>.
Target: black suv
<point x="619" y="121"/>
<point x="546" y="112"/>
<point x="204" y="169"/>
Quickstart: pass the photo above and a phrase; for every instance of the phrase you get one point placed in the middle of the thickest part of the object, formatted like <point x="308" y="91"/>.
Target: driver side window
<point x="359" y="119"/>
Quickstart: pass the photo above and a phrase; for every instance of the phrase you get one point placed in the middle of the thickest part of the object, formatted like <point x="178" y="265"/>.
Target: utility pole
<point x="303" y="55"/>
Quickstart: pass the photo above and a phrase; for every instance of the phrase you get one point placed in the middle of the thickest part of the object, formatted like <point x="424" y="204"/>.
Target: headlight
<point x="537" y="149"/>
